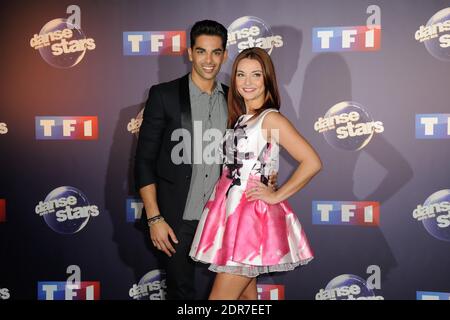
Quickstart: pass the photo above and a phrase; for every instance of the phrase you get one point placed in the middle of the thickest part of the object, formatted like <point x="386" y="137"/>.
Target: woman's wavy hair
<point x="236" y="105"/>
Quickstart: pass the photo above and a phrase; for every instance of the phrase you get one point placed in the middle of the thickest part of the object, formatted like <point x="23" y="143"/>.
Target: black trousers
<point x="180" y="268"/>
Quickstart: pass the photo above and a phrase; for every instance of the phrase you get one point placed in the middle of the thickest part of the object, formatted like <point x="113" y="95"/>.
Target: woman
<point x="247" y="228"/>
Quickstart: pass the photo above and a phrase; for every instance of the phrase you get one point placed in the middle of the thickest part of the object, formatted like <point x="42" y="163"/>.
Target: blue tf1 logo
<point x="146" y="43"/>
<point x="134" y="209"/>
<point x="433" y="126"/>
<point x="351" y="38"/>
<point x="72" y="289"/>
<point x="270" y="292"/>
<point x="363" y="213"/>
<point x="67" y="128"/>
<point x="430" y="295"/>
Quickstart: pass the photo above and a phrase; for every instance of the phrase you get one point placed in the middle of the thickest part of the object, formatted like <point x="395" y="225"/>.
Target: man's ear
<point x="225" y="55"/>
<point x="189" y="50"/>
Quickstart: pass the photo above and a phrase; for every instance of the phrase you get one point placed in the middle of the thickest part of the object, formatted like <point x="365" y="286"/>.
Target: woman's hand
<point x="273" y="180"/>
<point x="262" y="192"/>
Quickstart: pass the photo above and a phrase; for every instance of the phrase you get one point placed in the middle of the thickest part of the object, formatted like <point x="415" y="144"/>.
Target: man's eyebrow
<point x="215" y="50"/>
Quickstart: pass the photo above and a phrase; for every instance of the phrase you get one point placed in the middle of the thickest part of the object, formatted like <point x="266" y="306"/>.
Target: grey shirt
<point x="211" y="112"/>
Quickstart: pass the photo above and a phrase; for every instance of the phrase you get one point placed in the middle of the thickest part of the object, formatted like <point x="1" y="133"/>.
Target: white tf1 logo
<point x="270" y="292"/>
<point x="67" y="128"/>
<point x="72" y="289"/>
<point x="365" y="213"/>
<point x="353" y="38"/>
<point x="433" y="126"/>
<point x="135" y="206"/>
<point x="145" y="43"/>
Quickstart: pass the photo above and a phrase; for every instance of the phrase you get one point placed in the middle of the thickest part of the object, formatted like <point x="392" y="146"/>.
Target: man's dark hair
<point x="210" y="28"/>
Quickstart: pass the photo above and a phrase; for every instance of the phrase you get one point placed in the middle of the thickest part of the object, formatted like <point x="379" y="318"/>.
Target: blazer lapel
<point x="225" y="91"/>
<point x="185" y="110"/>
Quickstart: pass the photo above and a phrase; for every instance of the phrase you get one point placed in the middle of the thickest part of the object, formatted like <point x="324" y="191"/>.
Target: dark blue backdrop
<point x="397" y="81"/>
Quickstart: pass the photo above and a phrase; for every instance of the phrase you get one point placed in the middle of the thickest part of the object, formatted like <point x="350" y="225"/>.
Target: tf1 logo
<point x="66" y="128"/>
<point x="134" y="206"/>
<point x="2" y="210"/>
<point x="364" y="213"/>
<point x="270" y="292"/>
<point x="354" y="38"/>
<point x="147" y="43"/>
<point x="433" y="126"/>
<point x="72" y="289"/>
<point x="432" y="295"/>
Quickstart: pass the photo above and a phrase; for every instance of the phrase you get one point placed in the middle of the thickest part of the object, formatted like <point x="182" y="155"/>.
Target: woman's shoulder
<point x="273" y="118"/>
<point x="270" y="110"/>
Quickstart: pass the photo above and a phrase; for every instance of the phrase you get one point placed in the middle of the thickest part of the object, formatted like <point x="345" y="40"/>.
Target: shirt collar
<point x="194" y="90"/>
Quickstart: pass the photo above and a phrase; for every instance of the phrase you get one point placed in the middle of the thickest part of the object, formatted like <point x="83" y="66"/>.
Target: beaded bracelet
<point x="155" y="219"/>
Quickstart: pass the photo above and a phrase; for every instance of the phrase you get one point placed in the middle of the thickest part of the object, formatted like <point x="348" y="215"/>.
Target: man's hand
<point x="159" y="233"/>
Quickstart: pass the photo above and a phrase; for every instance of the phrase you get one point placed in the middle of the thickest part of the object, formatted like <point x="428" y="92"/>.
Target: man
<point x="174" y="194"/>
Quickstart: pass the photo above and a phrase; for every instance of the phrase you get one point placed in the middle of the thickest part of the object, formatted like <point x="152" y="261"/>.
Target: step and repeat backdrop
<point x="366" y="82"/>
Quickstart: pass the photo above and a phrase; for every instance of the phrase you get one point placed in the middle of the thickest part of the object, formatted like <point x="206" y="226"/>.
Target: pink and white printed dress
<point x="245" y="237"/>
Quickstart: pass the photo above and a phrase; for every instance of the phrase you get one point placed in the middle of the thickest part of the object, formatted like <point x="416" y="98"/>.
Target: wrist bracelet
<point x="155" y="219"/>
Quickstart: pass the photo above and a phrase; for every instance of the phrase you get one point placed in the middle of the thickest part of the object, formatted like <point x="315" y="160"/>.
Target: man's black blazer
<point x="167" y="108"/>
